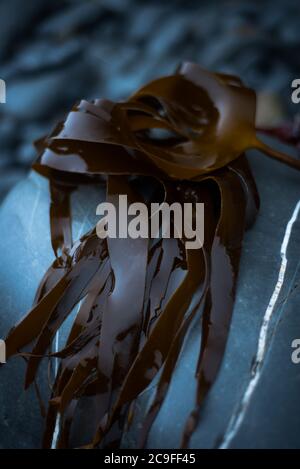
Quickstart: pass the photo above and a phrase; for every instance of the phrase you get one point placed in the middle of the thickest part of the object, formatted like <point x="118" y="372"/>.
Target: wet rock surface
<point x="73" y="50"/>
<point x="26" y="254"/>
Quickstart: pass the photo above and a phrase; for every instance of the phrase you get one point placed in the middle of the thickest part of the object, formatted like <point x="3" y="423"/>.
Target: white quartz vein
<point x="56" y="430"/>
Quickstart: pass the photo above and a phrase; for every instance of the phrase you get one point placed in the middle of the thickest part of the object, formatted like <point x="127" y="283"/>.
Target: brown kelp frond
<point x="225" y="255"/>
<point x="138" y="298"/>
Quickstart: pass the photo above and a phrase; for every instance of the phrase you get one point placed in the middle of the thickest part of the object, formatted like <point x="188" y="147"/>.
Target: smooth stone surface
<point x="274" y="412"/>
<point x="25" y="255"/>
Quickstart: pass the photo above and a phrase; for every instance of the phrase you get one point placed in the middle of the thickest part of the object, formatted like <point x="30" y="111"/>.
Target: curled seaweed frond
<point x="137" y="299"/>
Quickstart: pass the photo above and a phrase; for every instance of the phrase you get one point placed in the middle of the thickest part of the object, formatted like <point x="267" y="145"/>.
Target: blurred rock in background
<point x="55" y="53"/>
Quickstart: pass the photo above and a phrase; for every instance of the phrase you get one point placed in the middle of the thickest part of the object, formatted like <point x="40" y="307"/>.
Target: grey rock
<point x="169" y="34"/>
<point x="272" y="418"/>
<point x="44" y="55"/>
<point x="39" y="96"/>
<point x="8" y="132"/>
<point x="24" y="224"/>
<point x="71" y="19"/>
<point x="33" y="98"/>
<point x="108" y="48"/>
<point x="12" y="177"/>
<point x="26" y="154"/>
<point x="13" y="24"/>
<point x="144" y="21"/>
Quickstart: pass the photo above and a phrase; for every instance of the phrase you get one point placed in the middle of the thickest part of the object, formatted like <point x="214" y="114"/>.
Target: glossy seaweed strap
<point x="137" y="299"/>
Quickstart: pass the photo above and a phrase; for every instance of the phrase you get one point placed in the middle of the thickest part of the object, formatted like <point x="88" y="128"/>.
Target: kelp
<point x="181" y="138"/>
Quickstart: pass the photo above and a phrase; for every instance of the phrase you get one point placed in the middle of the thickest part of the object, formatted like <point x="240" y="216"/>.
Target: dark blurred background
<point x="53" y="53"/>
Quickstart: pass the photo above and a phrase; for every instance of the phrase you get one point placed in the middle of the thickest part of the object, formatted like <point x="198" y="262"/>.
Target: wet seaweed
<point x="184" y="136"/>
